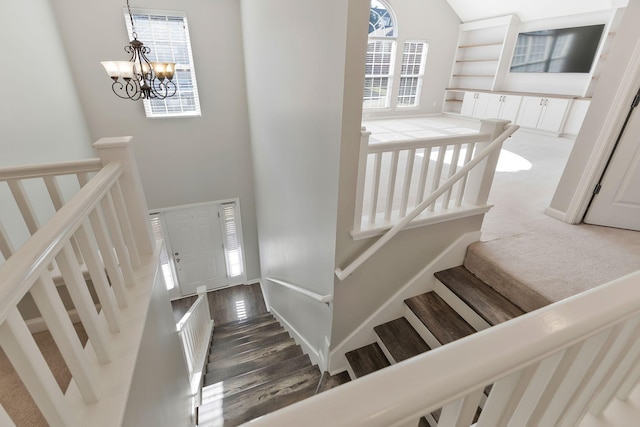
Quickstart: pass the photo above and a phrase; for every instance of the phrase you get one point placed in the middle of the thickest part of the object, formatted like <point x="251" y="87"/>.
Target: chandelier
<point x="140" y="78"/>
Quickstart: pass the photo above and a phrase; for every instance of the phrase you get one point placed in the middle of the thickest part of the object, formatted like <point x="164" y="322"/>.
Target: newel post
<point x="119" y="150"/>
<point x="362" y="170"/>
<point x="481" y="177"/>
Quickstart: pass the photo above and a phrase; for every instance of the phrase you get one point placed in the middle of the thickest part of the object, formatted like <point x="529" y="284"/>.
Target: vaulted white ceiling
<point x="529" y="10"/>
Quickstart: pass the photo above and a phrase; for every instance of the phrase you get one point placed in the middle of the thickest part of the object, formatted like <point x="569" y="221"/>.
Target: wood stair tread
<point x="442" y="321"/>
<point x="260" y="400"/>
<point x="215" y="374"/>
<point x="220" y="353"/>
<point x="251" y="320"/>
<point x="367" y="359"/>
<point x="257" y="334"/>
<point x="401" y="340"/>
<point x="282" y="342"/>
<point x="482" y="298"/>
<point x="242" y="382"/>
<point x="232" y="333"/>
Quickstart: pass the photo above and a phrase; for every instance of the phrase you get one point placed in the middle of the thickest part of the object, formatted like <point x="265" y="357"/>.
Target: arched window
<point x="381" y="58"/>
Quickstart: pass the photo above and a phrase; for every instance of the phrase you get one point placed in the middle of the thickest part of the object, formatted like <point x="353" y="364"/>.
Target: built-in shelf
<point x="473" y="75"/>
<point x="478" y="60"/>
<point x="469" y="46"/>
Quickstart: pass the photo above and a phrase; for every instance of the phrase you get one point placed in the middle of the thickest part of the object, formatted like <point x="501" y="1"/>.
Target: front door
<point x="196" y="246"/>
<point x="618" y="202"/>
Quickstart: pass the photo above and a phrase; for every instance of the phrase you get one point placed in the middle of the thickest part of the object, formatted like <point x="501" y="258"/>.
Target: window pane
<point x="378" y="70"/>
<point x="411" y="73"/>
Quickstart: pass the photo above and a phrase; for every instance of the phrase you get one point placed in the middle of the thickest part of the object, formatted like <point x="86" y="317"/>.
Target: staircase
<point x="430" y="321"/>
<point x="254" y="367"/>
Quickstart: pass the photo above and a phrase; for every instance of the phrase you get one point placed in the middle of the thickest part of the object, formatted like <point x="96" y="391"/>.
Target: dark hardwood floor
<point x="228" y="304"/>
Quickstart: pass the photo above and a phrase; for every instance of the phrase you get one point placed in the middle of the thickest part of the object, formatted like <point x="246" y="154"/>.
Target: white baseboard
<point x="314" y="354"/>
<point x="555" y="213"/>
<point x="393" y="308"/>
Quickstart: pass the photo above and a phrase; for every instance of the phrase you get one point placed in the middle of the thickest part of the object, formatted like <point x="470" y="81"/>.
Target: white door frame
<point x="606" y="139"/>
<point x="231" y="281"/>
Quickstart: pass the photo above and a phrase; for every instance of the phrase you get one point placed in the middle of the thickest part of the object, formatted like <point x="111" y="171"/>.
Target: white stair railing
<point x="395" y="176"/>
<point x="549" y="367"/>
<point x="105" y="227"/>
<point x="473" y="179"/>
<point x="194" y="330"/>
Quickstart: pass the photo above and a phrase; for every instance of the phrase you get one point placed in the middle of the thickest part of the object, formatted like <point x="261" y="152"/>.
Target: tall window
<point x="231" y="237"/>
<point x="414" y="57"/>
<point x="380" y="60"/>
<point x="167" y="270"/>
<point x="167" y="35"/>
<point x="380" y="56"/>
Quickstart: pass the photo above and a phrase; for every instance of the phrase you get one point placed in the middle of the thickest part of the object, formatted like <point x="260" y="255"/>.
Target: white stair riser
<point x="467" y="313"/>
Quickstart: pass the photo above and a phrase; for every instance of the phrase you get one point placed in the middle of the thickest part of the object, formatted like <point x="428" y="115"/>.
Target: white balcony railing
<point x="98" y="238"/>
<point x="550" y="367"/>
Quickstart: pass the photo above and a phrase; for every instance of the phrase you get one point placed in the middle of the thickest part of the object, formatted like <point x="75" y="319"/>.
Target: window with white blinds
<point x="167" y="35"/>
<point x="231" y="239"/>
<point x="156" y="227"/>
<point x="379" y="73"/>
<point x="414" y="57"/>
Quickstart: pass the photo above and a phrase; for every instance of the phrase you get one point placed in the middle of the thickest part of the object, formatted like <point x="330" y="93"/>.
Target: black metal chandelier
<point x="140" y="78"/>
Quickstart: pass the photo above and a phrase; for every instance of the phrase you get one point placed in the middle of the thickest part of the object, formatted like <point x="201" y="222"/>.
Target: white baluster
<point x="26" y="358"/>
<point x="406" y="187"/>
<point x="576" y="364"/>
<point x="375" y="186"/>
<point x="610" y="354"/>
<point x="453" y="168"/>
<point x="630" y="383"/>
<point x="111" y="219"/>
<point x="360" y="183"/>
<point x="463" y="182"/>
<point x="48" y="300"/>
<point x="460" y="412"/>
<point x="424" y="172"/>
<point x="26" y="209"/>
<point x="58" y="201"/>
<point x="505" y="395"/>
<point x="125" y="225"/>
<point x="106" y="251"/>
<point x="120" y="150"/>
<point x="83" y="303"/>
<point x="94" y="264"/>
<point x="392" y="185"/>
<point x="535" y="389"/>
<point x="6" y="248"/>
<point x="437" y="174"/>
<point x="83" y="178"/>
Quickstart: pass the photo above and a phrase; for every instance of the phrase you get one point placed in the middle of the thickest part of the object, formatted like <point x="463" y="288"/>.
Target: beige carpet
<point x="541" y="259"/>
<point x="14" y="396"/>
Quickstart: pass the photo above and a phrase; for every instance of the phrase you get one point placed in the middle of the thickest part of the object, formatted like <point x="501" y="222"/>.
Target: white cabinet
<point x="474" y="104"/>
<point x="503" y="107"/>
<point x="542" y="113"/>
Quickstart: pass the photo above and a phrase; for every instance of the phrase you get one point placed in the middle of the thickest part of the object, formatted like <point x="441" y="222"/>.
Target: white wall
<point x="160" y="389"/>
<point x="295" y="55"/>
<point x="434" y="22"/>
<point x="181" y="160"/>
<point x="606" y="98"/>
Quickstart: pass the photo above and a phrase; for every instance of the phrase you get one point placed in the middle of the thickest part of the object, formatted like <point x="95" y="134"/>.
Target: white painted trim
<point x="307" y="347"/>
<point x="555" y="213"/>
<point x="606" y="138"/>
<point x="459" y="306"/>
<point x="394" y="307"/>
<point x="37" y="324"/>
<point x="424" y="219"/>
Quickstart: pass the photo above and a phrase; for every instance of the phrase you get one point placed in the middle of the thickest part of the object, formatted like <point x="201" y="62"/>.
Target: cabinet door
<point x="510" y="107"/>
<point x="553" y="113"/>
<point x="468" y="104"/>
<point x="480" y="111"/>
<point x="494" y="105"/>
<point x="530" y="110"/>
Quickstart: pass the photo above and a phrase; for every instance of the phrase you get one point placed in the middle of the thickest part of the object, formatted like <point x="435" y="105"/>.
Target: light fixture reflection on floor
<point x="140" y="78"/>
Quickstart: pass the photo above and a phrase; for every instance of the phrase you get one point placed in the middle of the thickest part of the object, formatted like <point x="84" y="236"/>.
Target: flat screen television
<point x="561" y="50"/>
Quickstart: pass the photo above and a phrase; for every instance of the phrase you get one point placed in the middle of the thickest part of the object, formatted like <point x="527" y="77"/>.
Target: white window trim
<point x="420" y="76"/>
<point x="394" y="53"/>
<point x="147" y="106"/>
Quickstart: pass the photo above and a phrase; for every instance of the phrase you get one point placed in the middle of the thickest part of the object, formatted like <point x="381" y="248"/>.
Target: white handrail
<point x="491" y="148"/>
<point x="49" y="169"/>
<point x="570" y="342"/>
<point x="313" y="295"/>
<point x="381" y="147"/>
<point x="22" y="269"/>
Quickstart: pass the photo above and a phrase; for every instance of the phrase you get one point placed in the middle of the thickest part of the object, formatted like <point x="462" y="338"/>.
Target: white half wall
<point x="295" y="56"/>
